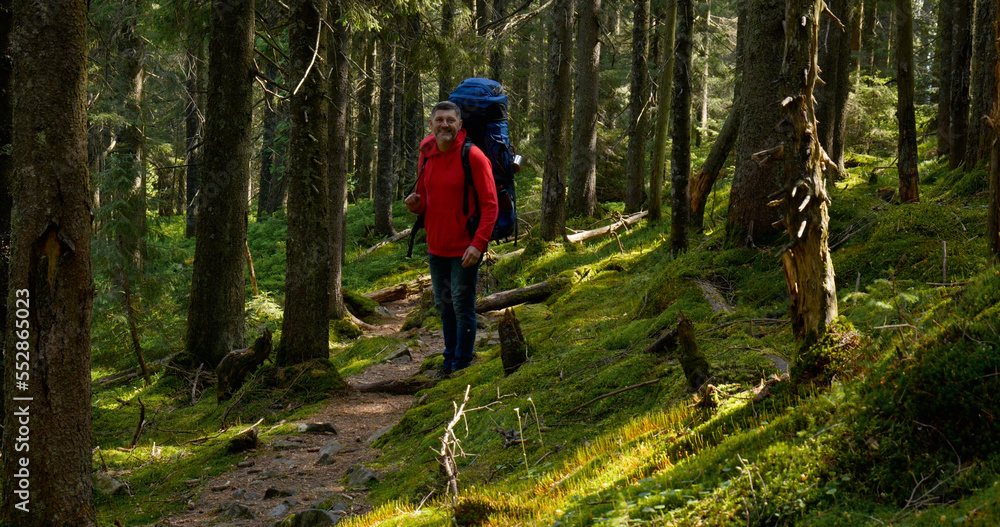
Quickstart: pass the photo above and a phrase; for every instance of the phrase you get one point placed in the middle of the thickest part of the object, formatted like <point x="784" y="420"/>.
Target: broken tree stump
<point x="525" y="295"/>
<point x="665" y="344"/>
<point x="693" y="362"/>
<point x="513" y="348"/>
<point x="237" y="364"/>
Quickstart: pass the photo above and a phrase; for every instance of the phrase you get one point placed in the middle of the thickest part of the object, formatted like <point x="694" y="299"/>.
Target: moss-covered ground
<point x="905" y="432"/>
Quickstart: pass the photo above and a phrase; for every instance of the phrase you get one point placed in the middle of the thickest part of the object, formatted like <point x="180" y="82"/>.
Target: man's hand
<point x="413" y="202"/>
<point x="471" y="257"/>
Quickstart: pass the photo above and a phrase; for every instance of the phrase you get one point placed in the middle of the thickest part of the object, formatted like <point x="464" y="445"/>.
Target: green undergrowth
<point x="901" y="428"/>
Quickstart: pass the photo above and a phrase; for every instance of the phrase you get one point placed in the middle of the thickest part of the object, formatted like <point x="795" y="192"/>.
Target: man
<point x="454" y="253"/>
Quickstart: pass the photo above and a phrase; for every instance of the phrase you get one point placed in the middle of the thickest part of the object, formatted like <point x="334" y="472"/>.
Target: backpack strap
<point x="419" y="224"/>
<point x="467" y="166"/>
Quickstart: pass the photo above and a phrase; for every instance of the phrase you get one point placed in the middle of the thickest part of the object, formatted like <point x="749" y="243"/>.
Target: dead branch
<point x="627" y="221"/>
<point x="771" y="154"/>
<point x="141" y="425"/>
<point x="532" y="294"/>
<point x="616" y="392"/>
<point x="134" y="372"/>
<point x="394" y="238"/>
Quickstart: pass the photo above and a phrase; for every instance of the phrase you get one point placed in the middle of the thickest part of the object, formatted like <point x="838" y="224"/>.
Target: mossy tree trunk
<point x="680" y="146"/>
<point x="6" y="169"/>
<point x="961" y="57"/>
<point x="305" y="330"/>
<point x="553" y="223"/>
<point x="806" y="259"/>
<point x="51" y="276"/>
<point x="667" y="32"/>
<point x="984" y="56"/>
<point x="905" y="112"/>
<point x="215" y="317"/>
<point x="635" y="179"/>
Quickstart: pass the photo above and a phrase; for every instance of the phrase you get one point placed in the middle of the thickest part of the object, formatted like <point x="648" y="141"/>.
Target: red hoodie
<point x="441" y="183"/>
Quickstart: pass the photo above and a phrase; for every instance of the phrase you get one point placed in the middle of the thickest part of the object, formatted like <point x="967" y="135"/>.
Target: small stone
<point x="400" y="356"/>
<point x="287" y="445"/>
<point x="359" y="476"/>
<point x="243" y="494"/>
<point x="220" y="487"/>
<point x="190" y="505"/>
<point x="277" y="493"/>
<point x="245" y="464"/>
<point x="106" y="484"/>
<point x="235" y="511"/>
<point x="327" y="453"/>
<point x="311" y="518"/>
<point x="280" y="510"/>
<point x="374" y="437"/>
<point x="317" y="428"/>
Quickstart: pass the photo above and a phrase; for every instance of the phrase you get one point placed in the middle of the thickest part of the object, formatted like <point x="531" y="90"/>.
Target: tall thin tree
<point x="339" y="59"/>
<point x="553" y="222"/>
<point x="961" y="60"/>
<point x="680" y="146"/>
<point x="905" y="112"/>
<point x="665" y="50"/>
<point x="6" y="172"/>
<point x="51" y="288"/>
<point x="215" y="317"/>
<point x="385" y="175"/>
<point x="582" y="186"/>
<point x="638" y="125"/>
<point x="984" y="55"/>
<point x="993" y="216"/>
<point x="945" y="31"/>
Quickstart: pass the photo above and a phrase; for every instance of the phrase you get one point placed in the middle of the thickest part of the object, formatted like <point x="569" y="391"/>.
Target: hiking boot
<point x="443" y="373"/>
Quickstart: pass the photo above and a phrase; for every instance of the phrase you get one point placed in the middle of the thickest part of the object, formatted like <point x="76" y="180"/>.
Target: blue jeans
<point x="455" y="298"/>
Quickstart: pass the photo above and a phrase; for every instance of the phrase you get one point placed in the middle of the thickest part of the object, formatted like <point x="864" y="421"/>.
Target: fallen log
<point x="525" y="295"/>
<point x="237" y="364"/>
<point x="408" y="386"/>
<point x="400" y="291"/>
<point x="134" y="372"/>
<point x="394" y="238"/>
<point x="608" y="229"/>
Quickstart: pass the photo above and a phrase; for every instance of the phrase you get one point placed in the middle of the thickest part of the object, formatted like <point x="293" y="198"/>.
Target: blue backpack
<point x="484" y="118"/>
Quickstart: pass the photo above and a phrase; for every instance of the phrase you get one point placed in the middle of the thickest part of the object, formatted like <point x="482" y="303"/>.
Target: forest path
<point x="288" y="464"/>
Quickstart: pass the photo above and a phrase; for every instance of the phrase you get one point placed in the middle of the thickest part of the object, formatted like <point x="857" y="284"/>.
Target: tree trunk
<point x="412" y="105"/>
<point x="553" y="224"/>
<point x="750" y="219"/>
<point x="806" y="259"/>
<point x="513" y="347"/>
<point x="830" y="56"/>
<point x="237" y="364"/>
<point x="993" y="215"/>
<point x="668" y="22"/>
<point x="305" y="330"/>
<point x="385" y="174"/>
<point x="582" y="191"/>
<point x="497" y="53"/>
<point x="6" y="176"/>
<point x="961" y="56"/>
<point x="215" y="317"/>
<point x="905" y="112"/>
<point x="680" y="150"/>
<point x="50" y="274"/>
<point x="366" y="121"/>
<point x="842" y="89"/>
<point x="445" y="82"/>
<point x="530" y="294"/>
<point x="339" y="55"/>
<point x="635" y="179"/>
<point x="194" y="57"/>
<point x="945" y="31"/>
<point x="266" y="205"/>
<point x="984" y="56"/>
<point x="708" y="174"/>
<point x="706" y="41"/>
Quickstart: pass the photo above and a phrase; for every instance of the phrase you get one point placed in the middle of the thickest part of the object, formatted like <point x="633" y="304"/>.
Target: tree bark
<point x="194" y="57"/>
<point x="582" y="191"/>
<point x="339" y="58"/>
<point x="215" y="317"/>
<point x="497" y="53"/>
<point x="984" y="56"/>
<point x="365" y="156"/>
<point x="266" y="202"/>
<point x="905" y="112"/>
<point x="668" y="22"/>
<point x="6" y="174"/>
<point x="993" y="215"/>
<point x="806" y="259"/>
<point x="945" y="31"/>
<point x="635" y="179"/>
<point x="50" y="273"/>
<point x="708" y="174"/>
<point x="680" y="149"/>
<point x="305" y="330"/>
<point x="553" y="224"/>
<point x="237" y="364"/>
<point x="842" y="88"/>
<point x="385" y="175"/>
<point x="749" y="219"/>
<point x="445" y="82"/>
<point x="961" y="56"/>
<point x="513" y="347"/>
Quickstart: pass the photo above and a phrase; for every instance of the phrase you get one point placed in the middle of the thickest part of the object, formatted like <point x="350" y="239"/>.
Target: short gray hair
<point x="447" y="106"/>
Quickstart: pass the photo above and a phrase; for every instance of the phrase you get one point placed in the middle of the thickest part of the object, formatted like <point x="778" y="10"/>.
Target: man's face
<point x="445" y="125"/>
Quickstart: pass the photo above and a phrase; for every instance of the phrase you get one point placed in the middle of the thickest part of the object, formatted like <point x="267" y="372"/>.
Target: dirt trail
<point x="288" y="463"/>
